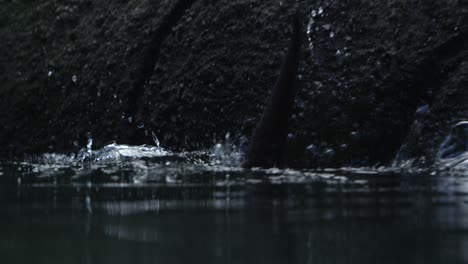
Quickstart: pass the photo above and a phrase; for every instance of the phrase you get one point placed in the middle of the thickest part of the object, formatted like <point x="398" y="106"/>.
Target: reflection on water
<point x="180" y="209"/>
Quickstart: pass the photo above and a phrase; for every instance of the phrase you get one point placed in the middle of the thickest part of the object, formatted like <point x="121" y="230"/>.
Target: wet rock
<point x="361" y="85"/>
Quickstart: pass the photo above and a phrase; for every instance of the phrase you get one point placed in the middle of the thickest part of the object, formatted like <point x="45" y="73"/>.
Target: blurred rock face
<point x="191" y="71"/>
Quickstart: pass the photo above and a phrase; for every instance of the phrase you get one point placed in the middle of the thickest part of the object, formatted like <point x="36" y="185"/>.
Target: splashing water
<point x="147" y="164"/>
<point x="155" y="139"/>
<point x="453" y="152"/>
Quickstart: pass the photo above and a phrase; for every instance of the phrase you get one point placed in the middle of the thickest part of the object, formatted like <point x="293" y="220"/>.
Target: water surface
<point x="199" y="208"/>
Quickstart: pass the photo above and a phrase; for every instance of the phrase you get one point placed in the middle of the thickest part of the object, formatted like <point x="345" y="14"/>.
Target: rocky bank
<point x="374" y="75"/>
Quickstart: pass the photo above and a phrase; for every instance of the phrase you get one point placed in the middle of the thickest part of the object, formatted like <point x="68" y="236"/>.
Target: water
<point x="144" y="204"/>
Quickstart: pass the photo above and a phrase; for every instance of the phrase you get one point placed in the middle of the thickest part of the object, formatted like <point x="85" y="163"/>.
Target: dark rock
<point x="193" y="70"/>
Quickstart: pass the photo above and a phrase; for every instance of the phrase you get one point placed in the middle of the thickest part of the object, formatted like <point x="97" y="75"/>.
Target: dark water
<point x="157" y="213"/>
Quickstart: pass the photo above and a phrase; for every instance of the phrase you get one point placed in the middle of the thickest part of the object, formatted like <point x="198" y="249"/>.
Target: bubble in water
<point x="141" y="125"/>
<point x="313" y="13"/>
<point x="320" y="10"/>
<point x="50" y="73"/>
<point x="130" y="119"/>
<point x="332" y="34"/>
<point x="74" y="78"/>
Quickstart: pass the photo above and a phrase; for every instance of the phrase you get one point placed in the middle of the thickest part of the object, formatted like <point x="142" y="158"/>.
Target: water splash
<point x="127" y="165"/>
<point x="225" y="153"/>
<point x="456" y="142"/>
<point x="453" y="152"/>
<point x="155" y="139"/>
<point x="452" y="155"/>
<point x="87" y="152"/>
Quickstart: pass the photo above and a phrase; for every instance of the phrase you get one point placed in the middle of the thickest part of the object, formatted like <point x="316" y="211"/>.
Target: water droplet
<point x="310" y="27"/>
<point x="50" y="73"/>
<point x="74" y="78"/>
<point x="218" y="147"/>
<point x="320" y="10"/>
<point x="326" y="26"/>
<point x="311" y="148"/>
<point x="332" y="34"/>
<point x="338" y="52"/>
<point x="328" y="153"/>
<point x="422" y="111"/>
<point x="115" y="96"/>
<point x="313" y="13"/>
<point x="130" y="119"/>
